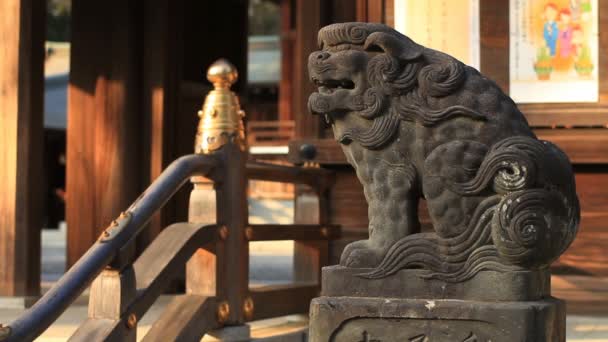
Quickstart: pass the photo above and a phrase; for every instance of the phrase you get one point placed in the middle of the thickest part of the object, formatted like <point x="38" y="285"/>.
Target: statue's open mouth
<point x="330" y="86"/>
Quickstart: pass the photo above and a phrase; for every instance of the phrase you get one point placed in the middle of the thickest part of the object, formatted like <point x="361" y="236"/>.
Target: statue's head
<point x="370" y="77"/>
<point x="359" y="68"/>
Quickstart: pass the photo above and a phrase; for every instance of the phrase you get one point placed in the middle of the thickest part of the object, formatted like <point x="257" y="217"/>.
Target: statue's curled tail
<point x="529" y="220"/>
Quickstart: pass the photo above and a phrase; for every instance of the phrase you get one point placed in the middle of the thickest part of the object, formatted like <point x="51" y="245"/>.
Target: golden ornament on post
<point x="248" y="308"/>
<point x="221" y="118"/>
<point x="223" y="311"/>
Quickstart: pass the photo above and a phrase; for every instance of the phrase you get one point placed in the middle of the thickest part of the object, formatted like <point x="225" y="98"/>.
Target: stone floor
<point x="271" y="262"/>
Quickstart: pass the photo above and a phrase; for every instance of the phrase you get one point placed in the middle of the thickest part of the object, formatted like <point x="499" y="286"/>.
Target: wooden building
<point x="136" y="83"/>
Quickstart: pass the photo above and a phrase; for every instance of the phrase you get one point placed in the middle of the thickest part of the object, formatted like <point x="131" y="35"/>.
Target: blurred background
<point x="107" y="96"/>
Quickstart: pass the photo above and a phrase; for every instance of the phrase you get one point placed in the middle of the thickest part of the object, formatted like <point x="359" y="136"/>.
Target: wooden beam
<point x="103" y="134"/>
<point x="583" y="146"/>
<point x="186" y="318"/>
<point x="161" y="262"/>
<point x="21" y="142"/>
<point x="102" y="329"/>
<point x="314" y="177"/>
<point x="280" y="300"/>
<point x="299" y="232"/>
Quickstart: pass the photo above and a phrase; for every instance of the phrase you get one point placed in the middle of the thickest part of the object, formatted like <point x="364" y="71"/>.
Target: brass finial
<point x="221" y="118"/>
<point x="222" y="74"/>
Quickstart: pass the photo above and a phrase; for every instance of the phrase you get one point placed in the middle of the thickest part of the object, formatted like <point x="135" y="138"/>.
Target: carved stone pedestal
<point x="356" y="313"/>
<point x="351" y="319"/>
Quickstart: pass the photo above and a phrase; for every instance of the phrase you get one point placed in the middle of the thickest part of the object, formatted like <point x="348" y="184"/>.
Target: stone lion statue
<point x="417" y="123"/>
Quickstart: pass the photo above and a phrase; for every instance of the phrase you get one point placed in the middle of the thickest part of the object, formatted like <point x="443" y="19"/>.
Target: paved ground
<point x="271" y="262"/>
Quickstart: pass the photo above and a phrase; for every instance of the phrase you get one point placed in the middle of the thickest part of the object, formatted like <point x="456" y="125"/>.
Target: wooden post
<point x="221" y="270"/>
<point x="103" y="133"/>
<point x="233" y="253"/>
<point x="201" y="269"/>
<point x="22" y="31"/>
<point x="310" y="256"/>
<point x="226" y="265"/>
<point x="111" y="293"/>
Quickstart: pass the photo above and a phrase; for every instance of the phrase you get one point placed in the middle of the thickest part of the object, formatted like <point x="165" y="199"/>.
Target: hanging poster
<point x="553" y="51"/>
<point x="451" y="26"/>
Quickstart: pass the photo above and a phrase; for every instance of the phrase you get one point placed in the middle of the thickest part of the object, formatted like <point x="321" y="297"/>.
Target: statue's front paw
<point x="364" y="258"/>
<point x="360" y="254"/>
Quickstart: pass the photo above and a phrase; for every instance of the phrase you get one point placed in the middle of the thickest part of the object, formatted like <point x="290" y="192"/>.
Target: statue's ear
<point x="398" y="46"/>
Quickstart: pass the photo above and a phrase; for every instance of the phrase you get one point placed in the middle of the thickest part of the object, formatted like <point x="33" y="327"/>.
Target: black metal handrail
<point x="54" y="302"/>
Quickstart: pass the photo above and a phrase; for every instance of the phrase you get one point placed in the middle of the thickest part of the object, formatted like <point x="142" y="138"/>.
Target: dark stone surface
<point x="485" y="286"/>
<point x="417" y="123"/>
<point x="351" y="319"/>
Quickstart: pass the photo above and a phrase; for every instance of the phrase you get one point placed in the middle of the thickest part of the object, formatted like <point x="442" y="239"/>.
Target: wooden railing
<point x="270" y="133"/>
<point x="214" y="246"/>
<point x="267" y="139"/>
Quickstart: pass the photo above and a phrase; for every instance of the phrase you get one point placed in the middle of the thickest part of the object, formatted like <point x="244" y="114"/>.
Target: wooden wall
<point x="579" y="129"/>
<point x="21" y="135"/>
<point x="131" y="110"/>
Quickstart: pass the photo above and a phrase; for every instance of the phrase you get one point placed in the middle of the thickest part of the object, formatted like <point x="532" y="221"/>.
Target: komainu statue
<point x="417" y="123"/>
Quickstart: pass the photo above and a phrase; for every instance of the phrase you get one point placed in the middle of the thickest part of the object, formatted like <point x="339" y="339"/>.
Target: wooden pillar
<point x="309" y="19"/>
<point x="214" y="30"/>
<point x="287" y="53"/>
<point x="110" y="295"/>
<point x="103" y="134"/>
<point x="160" y="100"/>
<point x="371" y="11"/>
<point x="22" y="31"/>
